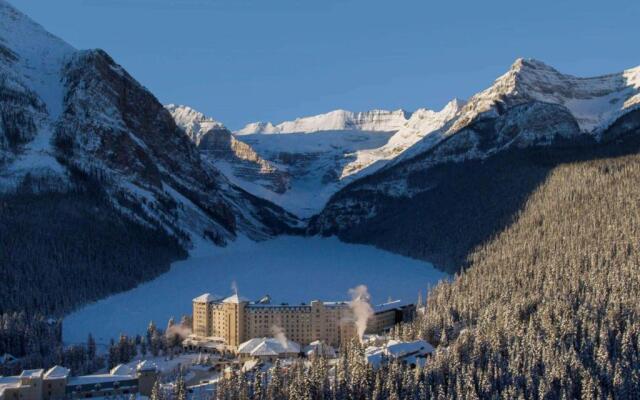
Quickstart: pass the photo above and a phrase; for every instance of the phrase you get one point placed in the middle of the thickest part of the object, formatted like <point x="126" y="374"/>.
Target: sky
<point x="241" y="61"/>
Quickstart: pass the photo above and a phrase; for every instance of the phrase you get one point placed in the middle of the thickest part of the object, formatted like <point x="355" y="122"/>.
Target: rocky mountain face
<point x="464" y="182"/>
<point x="220" y="147"/>
<point x="313" y="158"/>
<point x="79" y="110"/>
<point x="337" y="120"/>
<point x="300" y="164"/>
<point x="75" y="125"/>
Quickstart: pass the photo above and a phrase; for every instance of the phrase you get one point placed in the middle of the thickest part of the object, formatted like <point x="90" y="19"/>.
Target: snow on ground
<point x="290" y="269"/>
<point x="315" y="162"/>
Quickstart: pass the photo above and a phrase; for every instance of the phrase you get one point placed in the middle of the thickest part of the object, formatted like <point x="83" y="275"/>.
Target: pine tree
<point x="91" y="348"/>
<point x="180" y="391"/>
<point x="156" y="391"/>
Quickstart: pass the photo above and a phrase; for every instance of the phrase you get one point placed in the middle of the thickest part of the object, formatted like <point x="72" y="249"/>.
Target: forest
<point x="547" y="308"/>
<point x="87" y="251"/>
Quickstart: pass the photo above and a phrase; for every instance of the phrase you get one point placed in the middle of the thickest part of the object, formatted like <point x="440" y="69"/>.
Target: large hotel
<point x="234" y="320"/>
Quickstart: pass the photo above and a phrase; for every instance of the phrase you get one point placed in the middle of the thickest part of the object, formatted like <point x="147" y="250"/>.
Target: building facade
<point x="57" y="384"/>
<point x="235" y="320"/>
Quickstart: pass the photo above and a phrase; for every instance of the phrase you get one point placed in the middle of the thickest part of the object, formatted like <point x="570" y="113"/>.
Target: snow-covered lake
<point x="290" y="269"/>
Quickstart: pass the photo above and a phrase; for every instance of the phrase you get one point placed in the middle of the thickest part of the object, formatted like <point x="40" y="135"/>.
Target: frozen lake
<point x="290" y="269"/>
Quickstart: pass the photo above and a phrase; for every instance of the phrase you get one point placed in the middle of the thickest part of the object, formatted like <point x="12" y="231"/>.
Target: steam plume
<point x="178" y="330"/>
<point x="234" y="287"/>
<point x="361" y="308"/>
<point x="278" y="334"/>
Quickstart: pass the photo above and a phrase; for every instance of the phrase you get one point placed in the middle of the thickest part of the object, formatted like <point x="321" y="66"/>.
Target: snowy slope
<point x="194" y="123"/>
<point x="313" y="157"/>
<point x="314" y="162"/>
<point x="423" y="127"/>
<point x="592" y="101"/>
<point x="531" y="105"/>
<point x="31" y="62"/>
<point x="40" y="56"/>
<point x="240" y="163"/>
<point x="70" y="114"/>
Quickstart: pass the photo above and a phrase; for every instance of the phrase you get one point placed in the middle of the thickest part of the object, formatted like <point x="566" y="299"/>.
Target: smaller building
<point x="56" y="384"/>
<point x="412" y="353"/>
<point x="268" y="349"/>
<point x="208" y="344"/>
<point x="388" y="314"/>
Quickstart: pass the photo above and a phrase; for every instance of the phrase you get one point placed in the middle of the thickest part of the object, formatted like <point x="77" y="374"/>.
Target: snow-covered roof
<point x="206" y="298"/>
<point x="374" y="355"/>
<point x="8" y="382"/>
<point x="264" y="349"/>
<point x="235" y="299"/>
<point x="410" y="352"/>
<point x="399" y="349"/>
<point x="147" y="365"/>
<point x="32" y="373"/>
<point x="57" y="372"/>
<point x="122" y="370"/>
<point x="390" y="305"/>
<point x="267" y="346"/>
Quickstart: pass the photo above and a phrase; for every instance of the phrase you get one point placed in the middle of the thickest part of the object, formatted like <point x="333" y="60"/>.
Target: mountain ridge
<point x="513" y="116"/>
<point x="77" y="128"/>
<point x="372" y="120"/>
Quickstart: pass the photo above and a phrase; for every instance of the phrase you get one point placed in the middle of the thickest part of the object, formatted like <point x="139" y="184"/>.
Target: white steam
<point x="178" y="330"/>
<point x="234" y="287"/>
<point x="361" y="307"/>
<point x="278" y="334"/>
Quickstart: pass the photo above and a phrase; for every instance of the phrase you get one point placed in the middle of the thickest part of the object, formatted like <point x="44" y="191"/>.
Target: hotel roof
<point x="122" y="370"/>
<point x="206" y="298"/>
<point x="57" y="372"/>
<point x="32" y="373"/>
<point x="7" y="382"/>
<point x="391" y="305"/>
<point x="235" y="299"/>
<point x="267" y="346"/>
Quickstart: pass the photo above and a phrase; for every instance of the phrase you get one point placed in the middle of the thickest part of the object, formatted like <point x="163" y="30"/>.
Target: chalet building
<point x="268" y="349"/>
<point x="56" y="384"/>
<point x="235" y="320"/>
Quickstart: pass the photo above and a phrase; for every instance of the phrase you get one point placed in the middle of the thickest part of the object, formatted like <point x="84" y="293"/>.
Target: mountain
<point x="77" y="129"/>
<point x="242" y="165"/>
<point x="463" y="183"/>
<point x="337" y="120"/>
<point x="194" y="123"/>
<point x="300" y="164"/>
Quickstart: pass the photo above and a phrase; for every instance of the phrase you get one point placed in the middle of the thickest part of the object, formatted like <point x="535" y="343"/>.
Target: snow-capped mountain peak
<point x="337" y="120"/>
<point x="34" y="54"/>
<point x="299" y="164"/>
<point x="70" y="118"/>
<point x="195" y="123"/>
<point x="594" y="101"/>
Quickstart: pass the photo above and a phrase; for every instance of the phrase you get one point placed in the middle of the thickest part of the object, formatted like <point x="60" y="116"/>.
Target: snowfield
<point x="290" y="269"/>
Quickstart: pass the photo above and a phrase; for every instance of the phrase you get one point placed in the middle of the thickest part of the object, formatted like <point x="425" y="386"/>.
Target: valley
<point x="514" y="212"/>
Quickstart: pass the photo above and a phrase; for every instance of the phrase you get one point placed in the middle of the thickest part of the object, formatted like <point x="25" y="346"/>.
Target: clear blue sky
<point x="242" y="61"/>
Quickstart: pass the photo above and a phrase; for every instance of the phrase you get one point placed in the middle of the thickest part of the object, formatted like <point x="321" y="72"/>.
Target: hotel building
<point x="234" y="320"/>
